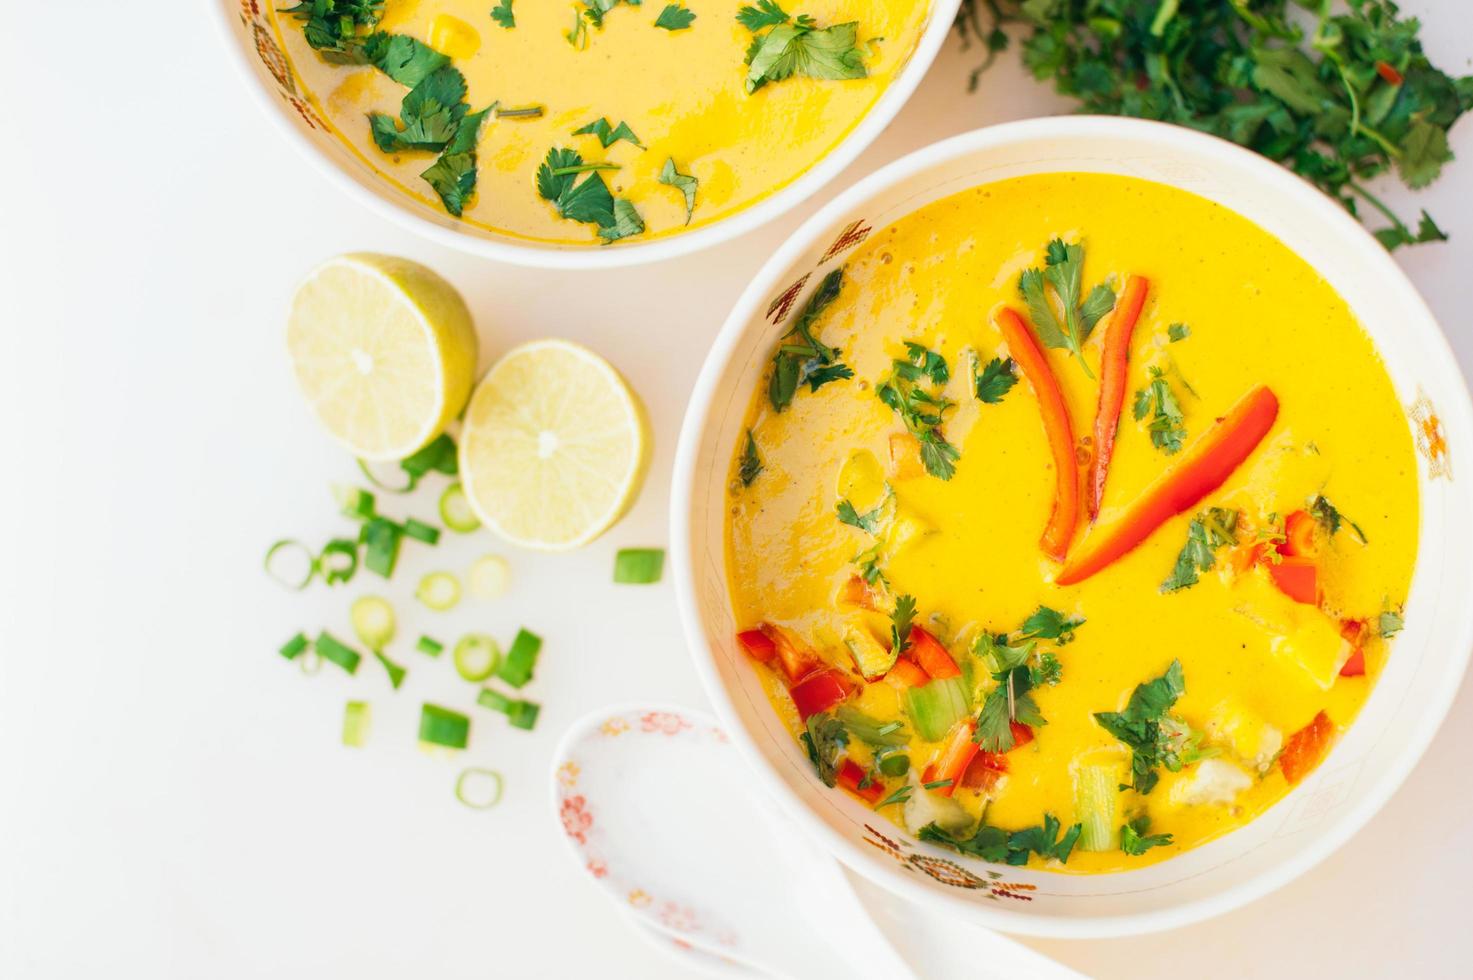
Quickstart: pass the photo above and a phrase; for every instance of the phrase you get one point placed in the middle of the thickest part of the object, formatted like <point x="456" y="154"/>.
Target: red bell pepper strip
<point x="1022" y="734"/>
<point x="757" y="644"/>
<point x="955" y="757"/>
<point x="1299" y="531"/>
<point x="819" y="692"/>
<point x="931" y="655"/>
<point x="851" y="775"/>
<point x="1298" y="578"/>
<point x="1353" y="631"/>
<point x="797" y="659"/>
<point x="906" y="673"/>
<point x="1113" y="372"/>
<point x="1306" y="747"/>
<point x="1024" y="349"/>
<point x="1202" y="469"/>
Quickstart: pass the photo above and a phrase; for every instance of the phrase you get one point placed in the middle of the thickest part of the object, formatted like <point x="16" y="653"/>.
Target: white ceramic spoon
<point x="659" y="809"/>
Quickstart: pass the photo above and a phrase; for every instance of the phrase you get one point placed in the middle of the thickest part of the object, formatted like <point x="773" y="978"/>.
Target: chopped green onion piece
<point x="293" y="648"/>
<point x="381" y="544"/>
<point x="894" y="764"/>
<point x="476" y="657"/>
<point x="356" y="502"/>
<point x="403" y="486"/>
<point x="441" y="726"/>
<point x="338" y="561"/>
<point x="282" y="552"/>
<point x="489" y="577"/>
<point x="1097" y="802"/>
<point x="310" y="661"/>
<point x="429" y="646"/>
<point x="516" y="667"/>
<point x="523" y="714"/>
<point x="420" y="531"/>
<point x="455" y="510"/>
<point x="938" y="784"/>
<point x="437" y="455"/>
<point x="396" y="673"/>
<point x="438" y="590"/>
<point x="639" y="566"/>
<point x="935" y="707"/>
<point x="373" y="621"/>
<point x="331" y="648"/>
<point x="494" y="700"/>
<point x="479" y="797"/>
<point x="355" y="723"/>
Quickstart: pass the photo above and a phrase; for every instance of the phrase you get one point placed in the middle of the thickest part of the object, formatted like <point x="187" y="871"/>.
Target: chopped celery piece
<point x="438" y="590"/>
<point x="355" y="723"/>
<point x="873" y="733"/>
<point x="871" y="657"/>
<point x="455" y="510"/>
<point x="1097" y="780"/>
<point x="516" y="667"/>
<point x="476" y="657"/>
<point x="935" y="707"/>
<point x="331" y="648"/>
<point x="441" y="726"/>
<point x="373" y="621"/>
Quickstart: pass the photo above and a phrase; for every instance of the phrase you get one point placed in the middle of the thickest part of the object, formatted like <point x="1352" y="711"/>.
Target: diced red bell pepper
<point x="1306" y="747"/>
<point x="1355" y="664"/>
<point x="1353" y="631"/>
<point x="1022" y="734"/>
<point x="797" y="659"/>
<point x="1201" y="469"/>
<point x="857" y="592"/>
<point x="985" y="770"/>
<point x="931" y="655"/>
<point x="1114" y="363"/>
<point x="1298" y="578"/>
<point x="757" y="644"/>
<point x="1389" y="73"/>
<point x="851" y="775"/>
<point x="819" y="692"/>
<point x="1299" y="535"/>
<point x="954" y="758"/>
<point x="906" y="673"/>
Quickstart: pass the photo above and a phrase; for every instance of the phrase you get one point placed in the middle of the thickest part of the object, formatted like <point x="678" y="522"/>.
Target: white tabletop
<point x="174" y="800"/>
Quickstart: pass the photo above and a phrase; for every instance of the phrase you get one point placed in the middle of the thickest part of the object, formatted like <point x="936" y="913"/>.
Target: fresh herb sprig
<point x="588" y="201"/>
<point x="1010" y="847"/>
<point x="1154" y="736"/>
<point x="1330" y="518"/>
<point x="1135" y="838"/>
<point x="797" y="46"/>
<point x="922" y="409"/>
<point x="825" y="739"/>
<point x="801" y="357"/>
<point x="337" y="28"/>
<point x="996" y="379"/>
<point x="751" y="464"/>
<point x="685" y="183"/>
<point x="1167" y="426"/>
<point x="1213" y="528"/>
<point x="504" y="15"/>
<point x="1063" y="273"/>
<point x="675" y="17"/>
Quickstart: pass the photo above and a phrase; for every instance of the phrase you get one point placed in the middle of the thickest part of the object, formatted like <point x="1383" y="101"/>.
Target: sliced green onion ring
<point x="523" y="714"/>
<point x="396" y="673"/>
<point x="310" y="661"/>
<point x="489" y="577"/>
<point x="476" y="657"/>
<point x="356" y="719"/>
<point x="455" y="510"/>
<point x="420" y="531"/>
<point x="339" y="561"/>
<point x="356" y="502"/>
<point x="295" y="647"/>
<point x="517" y="666"/>
<point x="639" y="566"/>
<point x="441" y="726"/>
<point x="381" y="545"/>
<point x="438" y="455"/>
<point x="331" y="648"/>
<point x="438" y="590"/>
<point x="429" y="646"/>
<point x="479" y="789"/>
<point x="293" y="579"/>
<point x="404" y="482"/>
<point x="373" y="621"/>
<point x="495" y="700"/>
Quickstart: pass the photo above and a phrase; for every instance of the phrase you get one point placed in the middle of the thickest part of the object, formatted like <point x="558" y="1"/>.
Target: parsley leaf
<point x="1157" y="400"/>
<point x="1135" y="841"/>
<point x="503" y="15"/>
<point x="589" y="202"/>
<point x="868" y="522"/>
<point x="1003" y="847"/>
<point x="626" y="222"/>
<point x="901" y="619"/>
<point x="1050" y="624"/>
<point x="922" y="410"/>
<point x="1064" y="271"/>
<point x="1389" y="623"/>
<point x="1178" y="331"/>
<point x="675" y="17"/>
<point x="1153" y="736"/>
<point x="798" y="47"/>
<point x="1331" y="519"/>
<point x="825" y="739"/>
<point x="995" y="380"/>
<point x="406" y="60"/>
<point x="453" y="175"/>
<point x="1209" y="530"/>
<point x="609" y="135"/>
<point x="430" y="114"/>
<point x="751" y="464"/>
<point x="801" y="357"/>
<point x="684" y="183"/>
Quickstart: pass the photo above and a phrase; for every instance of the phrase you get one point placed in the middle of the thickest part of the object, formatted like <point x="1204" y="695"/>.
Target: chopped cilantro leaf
<point x="1154" y="738"/>
<point x="684" y="183"/>
<point x="801" y="356"/>
<point x="1050" y="624"/>
<point x="751" y="464"/>
<point x="626" y="222"/>
<point x="766" y="14"/>
<point x="1064" y="271"/>
<point x="1134" y="839"/>
<point x="1158" y="401"/>
<point x="590" y="201"/>
<point x="798" y="47"/>
<point x="1331" y="519"/>
<point x="406" y="60"/>
<point x="1048" y="672"/>
<point x="609" y="135"/>
<point x="1003" y="847"/>
<point x="1209" y="530"/>
<point x="995" y="380"/>
<point x="335" y="26"/>
<point x="869" y="521"/>
<point x="429" y="115"/>
<point x="825" y="739"/>
<point x="503" y="15"/>
<point x="1178" y="331"/>
<point x="675" y="17"/>
<point x="920" y="409"/>
<point x="1389" y="623"/>
<point x="901" y="619"/>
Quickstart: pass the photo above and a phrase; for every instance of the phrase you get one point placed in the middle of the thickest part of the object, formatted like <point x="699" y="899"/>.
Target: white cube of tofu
<point x="925" y="807"/>
<point x="1216" y="781"/>
<point x="1246" y="734"/>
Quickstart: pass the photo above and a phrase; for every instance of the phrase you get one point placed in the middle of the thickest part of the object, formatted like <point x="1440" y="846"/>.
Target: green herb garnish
<point x="684" y="183"/>
<point x="334" y="27"/>
<point x="1175" y="332"/>
<point x="922" y="410"/>
<point x="1063" y="271"/>
<point x="901" y="618"/>
<point x="995" y="380"/>
<point x="406" y="60"/>
<point x="588" y="201"/>
<point x="1388" y="624"/>
<point x="1135" y="841"/>
<point x="1331" y="519"/>
<point x="1210" y="530"/>
<point x="825" y="740"/>
<point x="503" y="15"/>
<point x="1154" y="737"/>
<point x="1010" y="847"/>
<point x="609" y="135"/>
<point x="870" y="521"/>
<point x="1050" y="624"/>
<point x="801" y="357"/>
<point x="751" y="464"/>
<point x="796" y="46"/>
<point x="1157" y="400"/>
<point x="675" y="17"/>
<point x="900" y="795"/>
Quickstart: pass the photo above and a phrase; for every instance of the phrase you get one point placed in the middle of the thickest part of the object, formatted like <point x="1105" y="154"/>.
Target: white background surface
<point x="174" y="801"/>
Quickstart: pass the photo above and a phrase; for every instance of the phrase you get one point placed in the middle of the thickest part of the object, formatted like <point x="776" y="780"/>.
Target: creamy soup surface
<point x="682" y="93"/>
<point x="1275" y="594"/>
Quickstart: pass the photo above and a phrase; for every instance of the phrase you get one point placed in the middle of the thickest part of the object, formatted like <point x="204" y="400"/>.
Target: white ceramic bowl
<point x="258" y="52"/>
<point x="1410" y="698"/>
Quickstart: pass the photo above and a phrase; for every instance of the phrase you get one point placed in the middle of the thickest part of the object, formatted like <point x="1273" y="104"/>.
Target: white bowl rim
<point x="875" y="120"/>
<point x="1323" y="208"/>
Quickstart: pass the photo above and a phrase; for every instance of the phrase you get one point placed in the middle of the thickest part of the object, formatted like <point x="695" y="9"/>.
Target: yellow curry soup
<point x="1275" y="592"/>
<point x="681" y="94"/>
